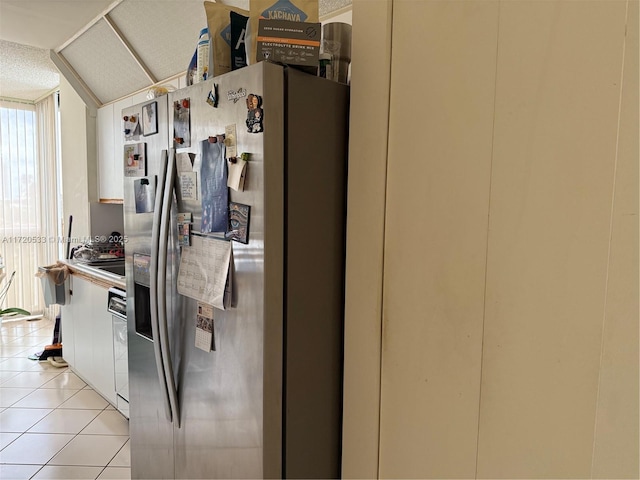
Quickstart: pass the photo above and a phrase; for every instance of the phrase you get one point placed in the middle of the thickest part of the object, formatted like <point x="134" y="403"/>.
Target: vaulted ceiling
<point x="107" y="49"/>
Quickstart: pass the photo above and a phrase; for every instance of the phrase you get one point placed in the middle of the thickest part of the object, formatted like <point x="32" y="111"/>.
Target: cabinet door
<point x="118" y="146"/>
<point x="82" y="314"/>
<point x="106" y="154"/>
<point x="87" y="327"/>
<point x="103" y="375"/>
<point x="68" y="313"/>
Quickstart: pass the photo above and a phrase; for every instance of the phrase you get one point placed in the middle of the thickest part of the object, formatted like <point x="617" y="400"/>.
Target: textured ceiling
<point x="46" y="23"/>
<point x="26" y="73"/>
<point x="325" y="7"/>
<point x="114" y="47"/>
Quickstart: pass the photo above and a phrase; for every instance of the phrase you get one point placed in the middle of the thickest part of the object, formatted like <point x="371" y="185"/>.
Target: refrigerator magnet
<point x="235" y="95"/>
<point x="239" y="216"/>
<point x="255" y="115"/>
<point x="184" y="228"/>
<point x="181" y="123"/>
<point x="212" y="97"/>
<point x="184" y="234"/>
<point x="230" y="141"/>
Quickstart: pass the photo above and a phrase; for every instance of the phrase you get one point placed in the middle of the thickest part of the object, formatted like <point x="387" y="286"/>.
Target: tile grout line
<point x="53" y="409"/>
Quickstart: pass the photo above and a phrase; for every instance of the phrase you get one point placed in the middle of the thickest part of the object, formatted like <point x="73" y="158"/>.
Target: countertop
<point x="95" y="274"/>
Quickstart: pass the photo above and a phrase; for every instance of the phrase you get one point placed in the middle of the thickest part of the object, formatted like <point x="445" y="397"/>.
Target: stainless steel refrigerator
<point x="267" y="402"/>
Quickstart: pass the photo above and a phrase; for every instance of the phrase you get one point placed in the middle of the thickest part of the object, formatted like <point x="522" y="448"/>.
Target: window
<point x="28" y="197"/>
<point x="19" y="214"/>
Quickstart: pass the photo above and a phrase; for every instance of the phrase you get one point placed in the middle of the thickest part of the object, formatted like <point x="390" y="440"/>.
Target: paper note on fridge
<point x="204" y="271"/>
<point x="184" y="162"/>
<point x="237" y="173"/>
<point x="188" y="185"/>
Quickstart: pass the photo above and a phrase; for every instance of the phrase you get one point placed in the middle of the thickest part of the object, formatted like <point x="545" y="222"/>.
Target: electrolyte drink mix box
<point x="291" y="43"/>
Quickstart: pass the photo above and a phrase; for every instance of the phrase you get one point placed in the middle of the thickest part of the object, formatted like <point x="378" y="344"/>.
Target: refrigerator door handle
<point x="153" y="285"/>
<point x="165" y="222"/>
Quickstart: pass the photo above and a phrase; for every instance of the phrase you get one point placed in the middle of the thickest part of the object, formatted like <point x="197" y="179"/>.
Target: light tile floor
<point x="52" y="424"/>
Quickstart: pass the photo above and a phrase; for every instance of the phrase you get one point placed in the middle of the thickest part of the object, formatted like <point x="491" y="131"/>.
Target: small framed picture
<point x="150" y="119"/>
<point x="239" y="216"/>
<point x="135" y="164"/>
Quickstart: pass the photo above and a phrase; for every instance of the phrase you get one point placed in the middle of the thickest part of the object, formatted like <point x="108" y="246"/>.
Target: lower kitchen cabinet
<point x="87" y="336"/>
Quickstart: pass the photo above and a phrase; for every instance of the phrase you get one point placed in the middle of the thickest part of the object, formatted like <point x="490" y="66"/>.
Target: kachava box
<point x="285" y="10"/>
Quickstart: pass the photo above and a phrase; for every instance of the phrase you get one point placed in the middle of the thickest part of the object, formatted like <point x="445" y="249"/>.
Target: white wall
<point x="492" y="264"/>
<point x="343" y="17"/>
<point x="106" y="218"/>
<point x="78" y="159"/>
<point x="368" y="144"/>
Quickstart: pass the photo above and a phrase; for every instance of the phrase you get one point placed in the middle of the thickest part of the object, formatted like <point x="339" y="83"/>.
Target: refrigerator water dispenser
<point x="141" y="294"/>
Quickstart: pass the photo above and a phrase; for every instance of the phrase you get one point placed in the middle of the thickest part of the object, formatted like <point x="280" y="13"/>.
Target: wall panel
<point x="76" y="160"/>
<point x="441" y="117"/>
<point x="557" y="92"/>
<point x="371" y="46"/>
<point x="510" y="270"/>
<point x="616" y="436"/>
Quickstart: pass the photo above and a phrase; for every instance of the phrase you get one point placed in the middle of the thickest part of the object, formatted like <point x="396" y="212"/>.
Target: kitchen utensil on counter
<point x="92" y="252"/>
<point x="68" y="256"/>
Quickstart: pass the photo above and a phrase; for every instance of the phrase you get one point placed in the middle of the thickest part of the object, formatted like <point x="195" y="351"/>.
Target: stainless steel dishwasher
<point x="117" y="305"/>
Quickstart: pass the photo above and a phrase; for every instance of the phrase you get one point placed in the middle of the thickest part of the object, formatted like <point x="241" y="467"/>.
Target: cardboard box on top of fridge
<point x="291" y="43"/>
<point x="292" y="11"/>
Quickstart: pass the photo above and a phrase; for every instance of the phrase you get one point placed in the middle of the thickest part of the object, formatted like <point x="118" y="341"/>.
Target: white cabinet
<point x="118" y="144"/>
<point x="106" y="162"/>
<point x="110" y="150"/>
<point x="68" y="314"/>
<point x="87" y="336"/>
<point x="110" y="141"/>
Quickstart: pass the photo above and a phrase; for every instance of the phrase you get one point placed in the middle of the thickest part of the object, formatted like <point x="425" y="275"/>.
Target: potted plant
<point x="6" y="312"/>
<point x="13" y="311"/>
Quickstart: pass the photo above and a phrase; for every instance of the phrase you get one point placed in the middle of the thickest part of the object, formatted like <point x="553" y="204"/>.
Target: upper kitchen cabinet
<point x="110" y="143"/>
<point x="110" y="133"/>
<point x="106" y="164"/>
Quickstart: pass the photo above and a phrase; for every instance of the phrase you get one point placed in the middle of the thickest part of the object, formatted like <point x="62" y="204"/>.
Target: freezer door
<point x="221" y="393"/>
<point x="314" y="283"/>
<point x="151" y="432"/>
